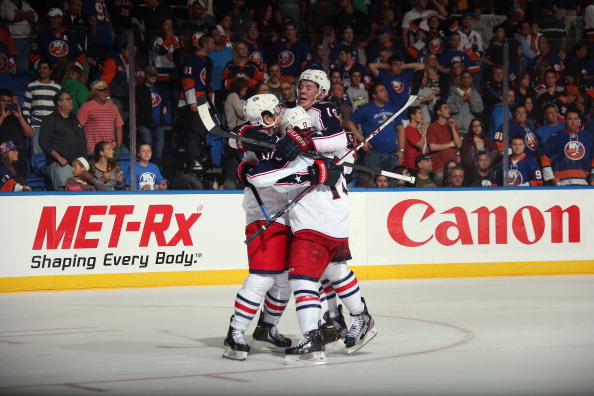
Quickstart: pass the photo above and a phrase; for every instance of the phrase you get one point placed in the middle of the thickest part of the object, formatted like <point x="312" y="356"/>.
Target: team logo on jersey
<point x="257" y="58"/>
<point x="3" y="63"/>
<point x="195" y="38"/>
<point x="514" y="177"/>
<point x="530" y="140"/>
<point x="457" y="59"/>
<point x="286" y="59"/>
<point x="155" y="99"/>
<point x="242" y="75"/>
<point x="58" y="48"/>
<point x="575" y="150"/>
<point x="397" y="86"/>
<point x="203" y="76"/>
<point x="436" y="46"/>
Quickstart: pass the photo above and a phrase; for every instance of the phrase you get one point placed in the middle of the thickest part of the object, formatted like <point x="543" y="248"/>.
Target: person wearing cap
<point x="150" y="109"/>
<point x="62" y="139"/>
<point x="9" y="155"/>
<point x="424" y="176"/>
<point x="82" y="180"/>
<point x="19" y="17"/>
<point x="14" y="127"/>
<point x="56" y="42"/>
<point x="384" y="37"/>
<point x="100" y="118"/>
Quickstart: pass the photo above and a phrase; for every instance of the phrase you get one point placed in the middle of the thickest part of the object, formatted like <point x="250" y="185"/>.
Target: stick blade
<point x="417" y="81"/>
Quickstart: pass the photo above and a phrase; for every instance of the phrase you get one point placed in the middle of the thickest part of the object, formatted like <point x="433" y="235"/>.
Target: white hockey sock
<point x="277" y="298"/>
<point x="248" y="299"/>
<point x="346" y="286"/>
<point x="331" y="303"/>
<point x="307" y="303"/>
<point x="323" y="303"/>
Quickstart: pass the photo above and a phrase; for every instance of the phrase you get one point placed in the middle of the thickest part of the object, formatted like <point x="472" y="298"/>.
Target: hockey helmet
<point x="295" y="117"/>
<point x="319" y="77"/>
<point x="257" y="104"/>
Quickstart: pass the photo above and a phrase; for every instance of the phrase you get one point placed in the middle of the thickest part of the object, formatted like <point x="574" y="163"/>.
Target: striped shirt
<point x="39" y="101"/>
<point x="99" y="122"/>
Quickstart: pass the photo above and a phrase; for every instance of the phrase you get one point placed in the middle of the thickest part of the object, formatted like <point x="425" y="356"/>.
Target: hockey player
<point x="319" y="220"/>
<point x="268" y="254"/>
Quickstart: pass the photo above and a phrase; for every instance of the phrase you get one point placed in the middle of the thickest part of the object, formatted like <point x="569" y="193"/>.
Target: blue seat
<point x="35" y="182"/>
<point x="39" y="165"/>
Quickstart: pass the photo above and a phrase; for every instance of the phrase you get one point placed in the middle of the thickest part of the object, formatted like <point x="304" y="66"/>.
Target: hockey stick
<point x="414" y="92"/>
<point x="281" y="212"/>
<point x="211" y="127"/>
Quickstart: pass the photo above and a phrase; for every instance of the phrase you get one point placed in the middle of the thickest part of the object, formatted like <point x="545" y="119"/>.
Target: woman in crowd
<point x="10" y="156"/>
<point x="435" y="79"/>
<point x="234" y="114"/>
<point x="104" y="170"/>
<point x="475" y="141"/>
<point x="244" y="66"/>
<point x="164" y="47"/>
<point x="74" y="84"/>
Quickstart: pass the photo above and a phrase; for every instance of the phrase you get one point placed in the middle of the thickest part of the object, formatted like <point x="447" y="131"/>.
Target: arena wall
<point x="91" y="240"/>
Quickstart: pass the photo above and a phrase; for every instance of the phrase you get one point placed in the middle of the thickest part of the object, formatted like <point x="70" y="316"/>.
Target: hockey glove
<point x="255" y="134"/>
<point x="292" y="144"/>
<point x="324" y="172"/>
<point x="243" y="169"/>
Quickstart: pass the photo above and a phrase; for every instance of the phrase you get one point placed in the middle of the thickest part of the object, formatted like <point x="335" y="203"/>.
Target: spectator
<point x="519" y="127"/>
<point x="345" y="57"/>
<point x="148" y="176"/>
<point x="19" y="17"/>
<point x="424" y="177"/>
<point x="39" y="100"/>
<point x="56" y="42"/>
<point x="476" y="141"/>
<point x="386" y="150"/>
<point x="398" y="183"/>
<point x="8" y="66"/>
<point x="77" y="23"/>
<point x="550" y="126"/>
<point x="268" y="26"/>
<point x="319" y="14"/>
<point x="443" y="138"/>
<point x="220" y="56"/>
<point x="263" y="88"/>
<point x="533" y="37"/>
<point x="234" y="114"/>
<point x="115" y="74"/>
<point x="419" y="11"/>
<point x="105" y="168"/>
<point x="100" y="40"/>
<point x="350" y="16"/>
<point x="287" y="98"/>
<point x="397" y="82"/>
<point x="384" y="36"/>
<point x="256" y="50"/>
<point x="348" y="37"/>
<point x="532" y="114"/>
<point x="415" y="133"/>
<point x="523" y="88"/>
<point x="493" y="89"/>
<point x="550" y="92"/>
<point x="482" y="175"/>
<point x="568" y="155"/>
<point x="455" y="73"/>
<point x="570" y="97"/>
<point x="496" y="119"/>
<point x="240" y="17"/>
<point x="274" y="82"/>
<point x="242" y="66"/>
<point x="436" y="81"/>
<point x="522" y="168"/>
<point x="552" y="27"/>
<point x="316" y="61"/>
<point x="465" y="102"/>
<point x="456" y="178"/>
<point x="150" y="113"/>
<point x="121" y="13"/>
<point x="340" y="100"/>
<point x="169" y="80"/>
<point x="291" y="53"/>
<point x="356" y="90"/>
<point x="81" y="179"/>
<point x="453" y="55"/>
<point x="154" y="12"/>
<point x="471" y="43"/>
<point x="101" y="119"/>
<point x="9" y="156"/>
<point x="196" y="22"/>
<point x="576" y="63"/>
<point x="74" y="84"/>
<point x="523" y="36"/>
<point x="381" y="181"/>
<point x="62" y="139"/>
<point x="446" y="171"/>
<point x="545" y="55"/>
<point x="14" y="127"/>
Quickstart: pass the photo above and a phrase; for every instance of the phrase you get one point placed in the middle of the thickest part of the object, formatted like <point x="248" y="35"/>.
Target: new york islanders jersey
<point x="54" y="46"/>
<point x="249" y="70"/>
<point x="569" y="157"/>
<point x="291" y="57"/>
<point x="472" y="45"/>
<point x="516" y="129"/>
<point x="98" y="9"/>
<point x="397" y="86"/>
<point x="164" y="48"/>
<point x="257" y="54"/>
<point x="523" y="172"/>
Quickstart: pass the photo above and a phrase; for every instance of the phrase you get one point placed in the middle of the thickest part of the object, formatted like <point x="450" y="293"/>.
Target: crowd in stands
<point x="65" y="70"/>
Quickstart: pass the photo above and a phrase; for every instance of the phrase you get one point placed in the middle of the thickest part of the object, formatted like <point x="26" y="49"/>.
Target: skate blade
<point x="368" y="337"/>
<point x="266" y="347"/>
<point x="335" y="347"/>
<point x="234" y="355"/>
<point x="306" y="359"/>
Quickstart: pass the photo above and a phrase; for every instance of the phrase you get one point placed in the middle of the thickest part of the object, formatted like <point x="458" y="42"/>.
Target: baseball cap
<point x="54" y="12"/>
<point x="468" y="14"/>
<point x="251" y="23"/>
<point x="99" y="85"/>
<point x="423" y="157"/>
<point x="6" y="146"/>
<point x="150" y="71"/>
<point x="573" y="90"/>
<point x="384" y="29"/>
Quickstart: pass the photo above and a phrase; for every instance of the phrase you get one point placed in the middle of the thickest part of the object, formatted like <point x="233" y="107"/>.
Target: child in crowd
<point x="10" y="156"/>
<point x="82" y="180"/>
<point x="105" y="171"/>
<point x="148" y="176"/>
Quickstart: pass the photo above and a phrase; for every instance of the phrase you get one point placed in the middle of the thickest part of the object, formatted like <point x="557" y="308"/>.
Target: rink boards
<point x="66" y="241"/>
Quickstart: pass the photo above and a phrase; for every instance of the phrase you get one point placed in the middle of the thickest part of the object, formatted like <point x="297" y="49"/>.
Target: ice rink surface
<point x="468" y="336"/>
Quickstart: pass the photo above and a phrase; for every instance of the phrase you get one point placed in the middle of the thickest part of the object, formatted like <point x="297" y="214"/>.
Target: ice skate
<point x="362" y="331"/>
<point x="310" y="350"/>
<point x="330" y="335"/>
<point x="267" y="338"/>
<point x="236" y="348"/>
<point x="340" y="324"/>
